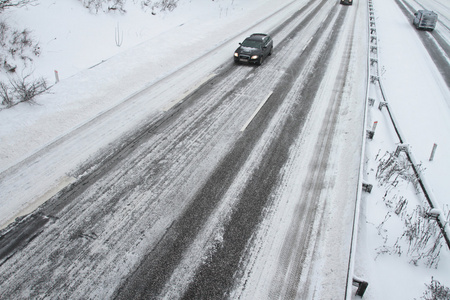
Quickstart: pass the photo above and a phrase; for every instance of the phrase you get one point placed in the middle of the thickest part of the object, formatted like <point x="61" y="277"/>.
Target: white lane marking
<point x="306" y="45"/>
<point x="186" y="93"/>
<point x="256" y="111"/>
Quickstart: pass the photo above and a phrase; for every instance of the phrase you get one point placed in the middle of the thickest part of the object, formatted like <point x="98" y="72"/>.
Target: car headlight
<point x="236" y="54"/>
<point x="255" y="57"/>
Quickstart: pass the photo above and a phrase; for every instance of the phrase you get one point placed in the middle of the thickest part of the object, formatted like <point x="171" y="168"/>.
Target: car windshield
<point x="251" y="44"/>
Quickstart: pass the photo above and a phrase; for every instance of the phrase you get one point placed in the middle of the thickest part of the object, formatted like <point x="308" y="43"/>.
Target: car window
<point x="251" y="44"/>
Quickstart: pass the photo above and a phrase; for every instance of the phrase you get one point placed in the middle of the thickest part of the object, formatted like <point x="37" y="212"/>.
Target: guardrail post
<point x="400" y="148"/>
<point x="433" y="214"/>
<point x="362" y="286"/>
<point x="382" y="104"/>
<point x="367" y="187"/>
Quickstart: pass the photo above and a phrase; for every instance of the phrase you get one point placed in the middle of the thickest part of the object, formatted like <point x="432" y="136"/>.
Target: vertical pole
<point x="433" y="151"/>
<point x="374" y="126"/>
<point x="56" y="76"/>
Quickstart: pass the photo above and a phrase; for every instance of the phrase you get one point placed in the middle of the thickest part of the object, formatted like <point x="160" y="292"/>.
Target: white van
<point x="425" y="19"/>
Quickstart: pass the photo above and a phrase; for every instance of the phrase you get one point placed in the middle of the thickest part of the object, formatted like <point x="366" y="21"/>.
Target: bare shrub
<point x="96" y="6"/>
<point x="392" y="168"/>
<point x="92" y="5"/>
<point x="27" y="89"/>
<point x="162" y="5"/>
<point x="17" y="51"/>
<point x="401" y="205"/>
<point x="104" y="5"/>
<point x="4" y="28"/>
<point x="4" y="4"/>
<point x="21" y="89"/>
<point x="436" y="291"/>
<point x="6" y="95"/>
<point x="424" y="238"/>
<point x="17" y="47"/>
<point x="421" y="239"/>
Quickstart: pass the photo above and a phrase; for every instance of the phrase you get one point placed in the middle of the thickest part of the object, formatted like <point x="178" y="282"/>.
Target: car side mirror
<point x="415" y="14"/>
<point x="240" y="44"/>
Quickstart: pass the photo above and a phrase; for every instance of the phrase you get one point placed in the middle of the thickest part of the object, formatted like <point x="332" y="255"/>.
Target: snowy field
<point x="92" y="52"/>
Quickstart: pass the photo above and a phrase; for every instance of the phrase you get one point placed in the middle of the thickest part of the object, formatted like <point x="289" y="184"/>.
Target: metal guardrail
<point x="351" y="264"/>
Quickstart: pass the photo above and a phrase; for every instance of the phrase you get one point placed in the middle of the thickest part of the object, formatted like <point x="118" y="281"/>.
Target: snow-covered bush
<point x="18" y="49"/>
<point x="21" y="89"/>
<point x="104" y="5"/>
<point x="119" y="5"/>
<point x="436" y="291"/>
<point x="394" y="166"/>
<point x="4" y="4"/>
<point x="162" y="5"/>
<point x="421" y="239"/>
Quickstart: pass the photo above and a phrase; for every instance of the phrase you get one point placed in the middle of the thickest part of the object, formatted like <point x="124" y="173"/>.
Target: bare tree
<point x="5" y="4"/>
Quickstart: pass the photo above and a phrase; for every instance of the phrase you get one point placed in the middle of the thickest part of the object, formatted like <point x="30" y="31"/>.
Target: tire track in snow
<point x="156" y="274"/>
<point x="218" y="274"/>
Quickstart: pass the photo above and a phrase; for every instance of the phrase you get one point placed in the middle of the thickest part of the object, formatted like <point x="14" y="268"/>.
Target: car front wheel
<point x="260" y="61"/>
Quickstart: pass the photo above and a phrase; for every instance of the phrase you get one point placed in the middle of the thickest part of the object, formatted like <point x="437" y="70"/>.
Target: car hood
<point x="247" y="50"/>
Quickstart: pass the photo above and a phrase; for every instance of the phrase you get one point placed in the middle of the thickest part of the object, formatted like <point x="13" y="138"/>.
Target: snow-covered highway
<point x="238" y="184"/>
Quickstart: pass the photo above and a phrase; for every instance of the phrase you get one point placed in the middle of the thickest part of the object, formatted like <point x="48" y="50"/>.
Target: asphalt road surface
<point x="243" y="189"/>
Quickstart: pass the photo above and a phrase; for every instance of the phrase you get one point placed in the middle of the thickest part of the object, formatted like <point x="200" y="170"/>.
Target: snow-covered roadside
<point x="418" y="98"/>
<point x="77" y="102"/>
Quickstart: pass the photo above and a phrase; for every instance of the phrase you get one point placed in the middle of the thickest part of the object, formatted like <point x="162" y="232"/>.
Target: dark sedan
<point x="347" y="2"/>
<point x="254" y="49"/>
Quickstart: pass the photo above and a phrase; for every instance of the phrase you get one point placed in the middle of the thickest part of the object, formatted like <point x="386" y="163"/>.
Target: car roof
<point x="259" y="34"/>
<point x="257" y="37"/>
<point x="425" y="11"/>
